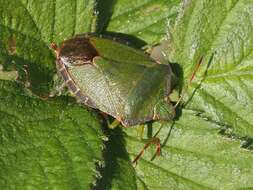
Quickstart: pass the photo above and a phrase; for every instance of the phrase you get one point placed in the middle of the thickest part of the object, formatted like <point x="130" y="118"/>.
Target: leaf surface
<point x="144" y="19"/>
<point x="46" y="144"/>
<point x="194" y="156"/>
<point x="55" y="144"/>
<point x="118" y="172"/>
<point x="29" y="27"/>
<point x="221" y="32"/>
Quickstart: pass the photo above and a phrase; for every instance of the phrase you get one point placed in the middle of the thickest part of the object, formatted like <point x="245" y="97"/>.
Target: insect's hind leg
<point x="153" y="140"/>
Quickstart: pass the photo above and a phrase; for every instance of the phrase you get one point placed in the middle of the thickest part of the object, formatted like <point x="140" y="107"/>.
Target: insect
<point x="116" y="79"/>
<point x="119" y="80"/>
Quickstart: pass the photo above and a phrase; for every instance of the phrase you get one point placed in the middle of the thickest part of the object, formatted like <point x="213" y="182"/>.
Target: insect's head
<point x="76" y="51"/>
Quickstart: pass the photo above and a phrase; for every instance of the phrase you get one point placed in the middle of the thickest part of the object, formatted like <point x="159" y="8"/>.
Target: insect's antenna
<point x="179" y="100"/>
<point x="191" y="79"/>
<point x="154" y="139"/>
<point x="196" y="69"/>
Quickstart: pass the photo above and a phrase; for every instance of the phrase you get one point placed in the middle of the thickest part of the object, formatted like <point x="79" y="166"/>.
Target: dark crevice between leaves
<point x="126" y="39"/>
<point x="226" y="130"/>
<point x="247" y="143"/>
<point x="178" y="77"/>
<point x="104" y="10"/>
<point x="177" y="84"/>
<point x="114" y="151"/>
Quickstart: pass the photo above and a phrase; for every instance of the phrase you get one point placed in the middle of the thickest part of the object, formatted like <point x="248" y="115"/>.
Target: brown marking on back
<point x="77" y="51"/>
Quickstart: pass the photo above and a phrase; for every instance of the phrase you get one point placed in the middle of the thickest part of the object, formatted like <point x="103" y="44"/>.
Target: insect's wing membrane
<point x="137" y="88"/>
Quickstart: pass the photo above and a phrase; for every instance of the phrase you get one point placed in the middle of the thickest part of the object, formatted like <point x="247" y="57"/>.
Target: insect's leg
<point x="110" y="125"/>
<point x="106" y="118"/>
<point x="114" y="124"/>
<point x="140" y="130"/>
<point x="154" y="140"/>
<point x="191" y="79"/>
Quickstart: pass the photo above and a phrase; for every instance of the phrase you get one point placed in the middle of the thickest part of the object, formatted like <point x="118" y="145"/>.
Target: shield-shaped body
<point x="116" y="79"/>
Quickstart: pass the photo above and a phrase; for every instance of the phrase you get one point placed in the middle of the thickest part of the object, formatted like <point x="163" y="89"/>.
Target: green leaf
<point x="46" y="144"/>
<point x="144" y="19"/>
<point x="8" y="75"/>
<point x="55" y="144"/>
<point x="221" y="32"/>
<point x="194" y="156"/>
<point x="29" y="27"/>
<point x="118" y="172"/>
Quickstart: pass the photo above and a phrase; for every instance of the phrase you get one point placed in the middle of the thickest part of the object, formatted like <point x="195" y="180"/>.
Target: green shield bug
<point x="116" y="79"/>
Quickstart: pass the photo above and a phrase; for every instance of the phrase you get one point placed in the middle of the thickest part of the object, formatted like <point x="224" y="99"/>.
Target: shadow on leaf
<point x="116" y="161"/>
<point x="104" y="10"/>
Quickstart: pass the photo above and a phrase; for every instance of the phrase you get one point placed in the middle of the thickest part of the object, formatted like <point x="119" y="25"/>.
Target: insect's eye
<point x="77" y="51"/>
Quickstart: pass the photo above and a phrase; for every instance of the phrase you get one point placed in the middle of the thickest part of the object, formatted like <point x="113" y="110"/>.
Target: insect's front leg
<point x="114" y="124"/>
